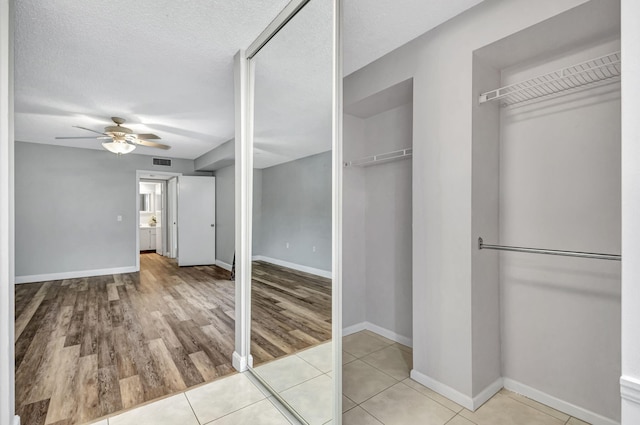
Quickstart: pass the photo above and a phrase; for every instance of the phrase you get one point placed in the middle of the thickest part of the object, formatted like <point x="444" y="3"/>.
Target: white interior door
<point x="196" y="220"/>
<point x="160" y="217"/>
<point x="172" y="217"/>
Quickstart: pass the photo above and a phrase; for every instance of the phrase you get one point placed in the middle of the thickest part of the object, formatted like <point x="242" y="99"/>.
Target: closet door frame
<point x="7" y="237"/>
<point x="244" y="107"/>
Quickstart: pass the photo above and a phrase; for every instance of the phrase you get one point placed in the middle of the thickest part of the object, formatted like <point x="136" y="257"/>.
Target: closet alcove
<point x="377" y="213"/>
<point x="546" y="174"/>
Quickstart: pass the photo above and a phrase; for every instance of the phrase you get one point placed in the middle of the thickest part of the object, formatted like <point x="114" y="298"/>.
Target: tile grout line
<point x="361" y="358"/>
<point x="321" y="371"/>
<point x="192" y="409"/>
<point x="372" y="415"/>
<point x="400" y="382"/>
<point x="535" y="408"/>
<point x="284" y="412"/>
<point x="458" y="415"/>
<point x="432" y="399"/>
<point x="300" y="383"/>
<point x="371" y="352"/>
<point x="237" y="410"/>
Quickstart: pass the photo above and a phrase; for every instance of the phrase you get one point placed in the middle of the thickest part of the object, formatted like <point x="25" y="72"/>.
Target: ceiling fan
<point x="123" y="139"/>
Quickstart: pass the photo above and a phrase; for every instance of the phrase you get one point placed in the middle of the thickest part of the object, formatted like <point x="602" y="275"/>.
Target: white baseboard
<point x="630" y="393"/>
<point x="239" y="362"/>
<point x="558" y="404"/>
<point x="224" y="265"/>
<point x="354" y="328"/>
<point x="443" y="389"/>
<point x="300" y="268"/>
<point x="455" y="395"/>
<point x="73" y="275"/>
<point x="379" y="330"/>
<point x="487" y="393"/>
<point x="630" y="389"/>
<point x="389" y="334"/>
<point x="16" y="420"/>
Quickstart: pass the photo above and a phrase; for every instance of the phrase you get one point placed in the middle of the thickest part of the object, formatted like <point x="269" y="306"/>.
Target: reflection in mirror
<point x="292" y="222"/>
<point x="145" y="202"/>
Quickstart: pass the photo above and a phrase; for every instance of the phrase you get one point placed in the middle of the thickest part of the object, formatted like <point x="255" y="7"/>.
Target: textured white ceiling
<point x="293" y="89"/>
<point x="167" y="65"/>
<point x="164" y="65"/>
<point x="373" y="28"/>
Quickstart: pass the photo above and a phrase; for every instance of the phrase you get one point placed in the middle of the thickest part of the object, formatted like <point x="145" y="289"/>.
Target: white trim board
<point x="7" y="216"/>
<point x="455" y="395"/>
<point x="630" y="393"/>
<point x="554" y="402"/>
<point x="401" y="339"/>
<point x="276" y="25"/>
<point x="243" y="191"/>
<point x="239" y="362"/>
<point x="298" y="267"/>
<point x="73" y="274"/>
<point x="349" y="330"/>
<point x="224" y="265"/>
<point x="630" y="389"/>
<point x="16" y="420"/>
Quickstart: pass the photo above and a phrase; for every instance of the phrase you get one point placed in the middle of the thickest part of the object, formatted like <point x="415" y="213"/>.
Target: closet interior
<point x="377" y="213"/>
<point x="546" y="180"/>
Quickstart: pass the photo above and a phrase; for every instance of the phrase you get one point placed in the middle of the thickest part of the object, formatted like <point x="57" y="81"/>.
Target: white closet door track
<point x="595" y="72"/>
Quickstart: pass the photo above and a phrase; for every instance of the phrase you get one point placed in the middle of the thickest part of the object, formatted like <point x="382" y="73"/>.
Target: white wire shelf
<point x="381" y="158"/>
<point x="595" y="72"/>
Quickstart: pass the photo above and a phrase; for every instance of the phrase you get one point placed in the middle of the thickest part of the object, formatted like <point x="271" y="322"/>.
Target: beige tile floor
<point x="234" y="400"/>
<point x="376" y="390"/>
<point x="302" y="380"/>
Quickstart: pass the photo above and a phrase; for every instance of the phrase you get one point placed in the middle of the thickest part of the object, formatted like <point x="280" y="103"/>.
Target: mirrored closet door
<point x="292" y="92"/>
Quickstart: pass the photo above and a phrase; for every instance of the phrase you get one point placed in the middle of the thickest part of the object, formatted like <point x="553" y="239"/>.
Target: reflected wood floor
<point x="90" y="347"/>
<point x="290" y="311"/>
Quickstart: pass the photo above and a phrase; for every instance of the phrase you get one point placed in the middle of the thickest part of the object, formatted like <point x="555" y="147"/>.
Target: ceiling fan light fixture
<point x="119" y="148"/>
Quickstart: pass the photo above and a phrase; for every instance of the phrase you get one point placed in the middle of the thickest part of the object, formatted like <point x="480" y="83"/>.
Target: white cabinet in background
<point x="147" y="239"/>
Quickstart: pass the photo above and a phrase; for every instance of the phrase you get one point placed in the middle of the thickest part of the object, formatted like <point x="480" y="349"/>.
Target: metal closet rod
<point x="482" y="245"/>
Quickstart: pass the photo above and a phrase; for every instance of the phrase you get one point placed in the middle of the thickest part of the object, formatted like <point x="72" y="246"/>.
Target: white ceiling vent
<point x="162" y="161"/>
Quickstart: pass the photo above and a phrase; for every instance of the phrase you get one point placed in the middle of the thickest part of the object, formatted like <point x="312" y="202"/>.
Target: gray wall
<point x="441" y="65"/>
<point x="256" y="213"/>
<point x="388" y="222"/>
<point x="225" y="212"/>
<point x="353" y="225"/>
<point x="66" y="203"/>
<point x="377" y="223"/>
<point x="485" y="287"/>
<point x="296" y="209"/>
<point x="560" y="189"/>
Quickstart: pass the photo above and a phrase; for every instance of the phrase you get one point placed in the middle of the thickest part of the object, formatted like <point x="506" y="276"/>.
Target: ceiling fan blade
<point x="88" y="129"/>
<point x="152" y="144"/>
<point x="85" y="137"/>
<point x="147" y="136"/>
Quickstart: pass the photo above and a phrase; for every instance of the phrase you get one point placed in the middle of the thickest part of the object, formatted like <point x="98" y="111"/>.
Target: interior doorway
<point x="157" y="206"/>
<point x="152" y="216"/>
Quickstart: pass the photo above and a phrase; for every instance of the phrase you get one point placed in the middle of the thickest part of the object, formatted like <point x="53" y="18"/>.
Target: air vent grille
<point x="162" y="161"/>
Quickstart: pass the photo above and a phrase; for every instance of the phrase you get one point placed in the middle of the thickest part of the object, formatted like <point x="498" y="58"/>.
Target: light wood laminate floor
<point x="90" y="347"/>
